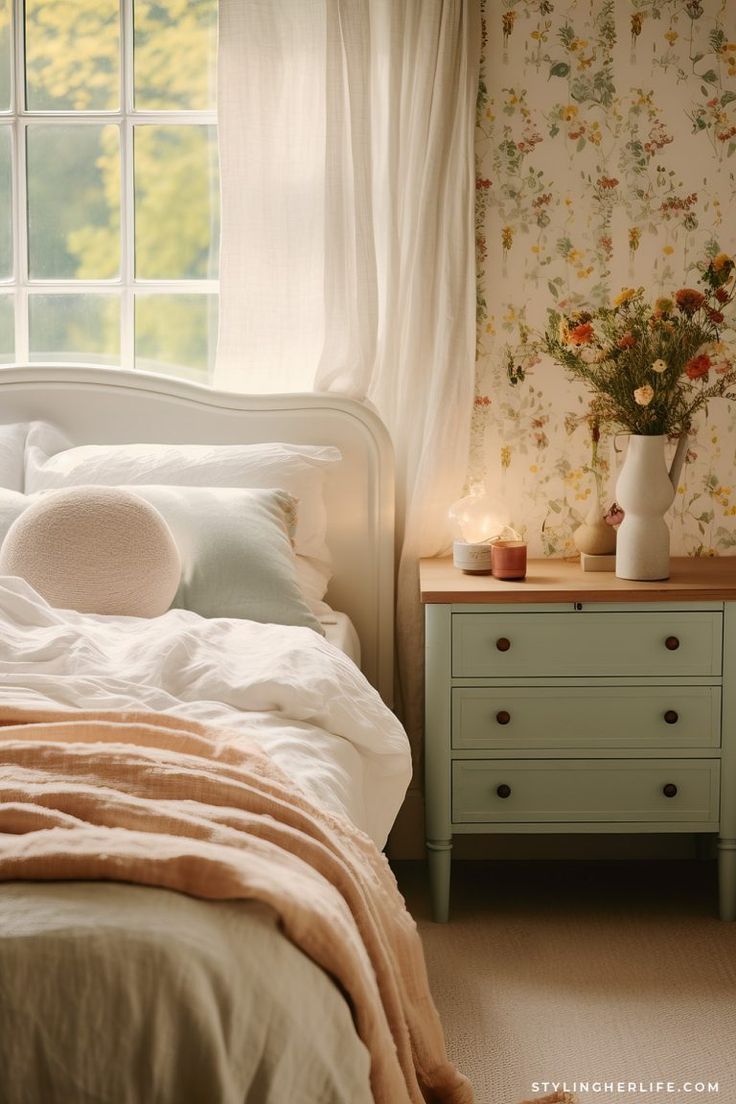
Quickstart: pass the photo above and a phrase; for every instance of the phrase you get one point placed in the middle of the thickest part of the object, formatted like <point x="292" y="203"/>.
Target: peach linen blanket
<point x="156" y="800"/>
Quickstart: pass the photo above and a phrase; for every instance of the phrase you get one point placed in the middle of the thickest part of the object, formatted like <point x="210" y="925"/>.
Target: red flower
<point x="715" y="316"/>
<point x="697" y="367"/>
<point x="581" y="335"/>
<point x="721" y="295"/>
<point x="626" y="341"/>
<point x="689" y="300"/>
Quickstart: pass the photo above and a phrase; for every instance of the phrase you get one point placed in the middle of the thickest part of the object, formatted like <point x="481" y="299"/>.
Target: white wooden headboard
<point x="96" y="406"/>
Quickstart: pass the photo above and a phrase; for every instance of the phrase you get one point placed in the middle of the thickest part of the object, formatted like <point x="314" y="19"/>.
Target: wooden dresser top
<point x="554" y="580"/>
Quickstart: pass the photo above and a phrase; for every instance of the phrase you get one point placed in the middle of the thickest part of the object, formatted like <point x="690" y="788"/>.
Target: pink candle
<point x="508" y="559"/>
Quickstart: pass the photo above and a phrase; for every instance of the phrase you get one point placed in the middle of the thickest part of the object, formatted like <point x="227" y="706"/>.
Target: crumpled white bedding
<point x="130" y="995"/>
<point x="303" y="698"/>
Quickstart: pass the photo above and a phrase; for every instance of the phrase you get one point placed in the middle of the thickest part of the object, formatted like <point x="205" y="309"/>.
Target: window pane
<point x="176" y="335"/>
<point x="176" y="202"/>
<point x="73" y="201"/>
<point x="7" y="329"/>
<point x="6" y="205"/>
<point x="6" y="47"/>
<point x="72" y="55"/>
<point x="175" y="48"/>
<point x="75" y="327"/>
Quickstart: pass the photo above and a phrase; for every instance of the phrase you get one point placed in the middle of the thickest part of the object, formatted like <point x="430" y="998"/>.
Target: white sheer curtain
<point x="347" y="161"/>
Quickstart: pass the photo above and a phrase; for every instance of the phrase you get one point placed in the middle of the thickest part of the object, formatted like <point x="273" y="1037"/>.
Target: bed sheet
<point x="340" y="631"/>
<point x="126" y="994"/>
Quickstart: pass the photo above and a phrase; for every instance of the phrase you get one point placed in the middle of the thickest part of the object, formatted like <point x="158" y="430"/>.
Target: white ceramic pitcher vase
<point x="644" y="491"/>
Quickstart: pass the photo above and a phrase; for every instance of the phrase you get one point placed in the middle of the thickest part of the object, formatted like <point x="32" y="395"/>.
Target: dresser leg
<point x="439" y="854"/>
<point x="727" y="878"/>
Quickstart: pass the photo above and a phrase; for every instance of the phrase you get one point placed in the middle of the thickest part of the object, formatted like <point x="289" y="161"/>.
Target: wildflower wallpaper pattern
<point x="606" y="152"/>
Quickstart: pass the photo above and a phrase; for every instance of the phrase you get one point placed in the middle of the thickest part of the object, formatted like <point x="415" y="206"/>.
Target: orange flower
<point x="626" y="341"/>
<point x="689" y="300"/>
<point x="581" y="335"/>
<point x="697" y="367"/>
<point x="715" y="316"/>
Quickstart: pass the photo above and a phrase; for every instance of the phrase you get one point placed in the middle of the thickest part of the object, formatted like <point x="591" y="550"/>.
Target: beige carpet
<point x="610" y="972"/>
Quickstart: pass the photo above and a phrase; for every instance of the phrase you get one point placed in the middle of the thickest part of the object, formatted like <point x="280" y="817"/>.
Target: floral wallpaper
<point x="606" y="154"/>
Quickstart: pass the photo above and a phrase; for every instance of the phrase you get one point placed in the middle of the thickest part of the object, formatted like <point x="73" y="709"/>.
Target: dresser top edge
<point x="692" y="579"/>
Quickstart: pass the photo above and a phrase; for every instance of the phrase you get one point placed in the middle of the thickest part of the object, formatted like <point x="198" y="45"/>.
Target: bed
<point x="111" y="991"/>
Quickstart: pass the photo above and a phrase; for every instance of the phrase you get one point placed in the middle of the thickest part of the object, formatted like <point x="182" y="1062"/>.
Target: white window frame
<point x="126" y="284"/>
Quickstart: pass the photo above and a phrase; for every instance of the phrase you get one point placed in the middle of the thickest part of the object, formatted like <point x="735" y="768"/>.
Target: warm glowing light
<point x="477" y="516"/>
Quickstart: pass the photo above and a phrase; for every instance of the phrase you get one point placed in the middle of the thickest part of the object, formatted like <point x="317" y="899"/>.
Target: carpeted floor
<point x="610" y="972"/>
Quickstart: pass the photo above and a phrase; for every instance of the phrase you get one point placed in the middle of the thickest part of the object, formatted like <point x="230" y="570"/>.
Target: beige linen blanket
<point x="156" y="800"/>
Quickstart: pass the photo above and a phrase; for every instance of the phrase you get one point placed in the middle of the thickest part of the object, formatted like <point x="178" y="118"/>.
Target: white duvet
<point x="305" y="701"/>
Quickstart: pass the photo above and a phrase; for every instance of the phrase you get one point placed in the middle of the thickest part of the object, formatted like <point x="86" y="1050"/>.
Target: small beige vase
<point x="595" y="536"/>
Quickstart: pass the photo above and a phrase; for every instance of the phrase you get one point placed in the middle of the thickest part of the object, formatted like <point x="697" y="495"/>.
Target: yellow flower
<point x="668" y="250"/>
<point x="569" y="113"/>
<point x="644" y="395"/>
<point x="664" y="306"/>
<point x="506" y="456"/>
<point x="721" y="261"/>
<point x="625" y="296"/>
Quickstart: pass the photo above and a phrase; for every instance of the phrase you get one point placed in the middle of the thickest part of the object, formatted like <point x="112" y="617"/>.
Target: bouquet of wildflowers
<point x="652" y="367"/>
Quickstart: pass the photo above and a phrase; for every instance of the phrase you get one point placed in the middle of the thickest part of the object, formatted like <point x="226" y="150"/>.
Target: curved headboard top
<point x="101" y="406"/>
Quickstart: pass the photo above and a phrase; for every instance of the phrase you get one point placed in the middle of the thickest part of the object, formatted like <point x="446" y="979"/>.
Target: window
<point x="109" y="183"/>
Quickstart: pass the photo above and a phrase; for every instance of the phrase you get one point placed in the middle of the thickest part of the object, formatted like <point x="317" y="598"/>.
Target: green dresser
<point x="574" y="702"/>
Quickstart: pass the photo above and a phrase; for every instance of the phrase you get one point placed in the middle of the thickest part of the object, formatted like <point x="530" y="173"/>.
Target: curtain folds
<point x="347" y="164"/>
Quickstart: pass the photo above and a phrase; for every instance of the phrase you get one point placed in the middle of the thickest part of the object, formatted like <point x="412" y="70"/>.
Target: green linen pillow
<point x="236" y="552"/>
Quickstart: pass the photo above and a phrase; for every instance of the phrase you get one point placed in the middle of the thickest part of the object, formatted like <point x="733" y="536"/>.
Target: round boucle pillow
<point x="95" y="550"/>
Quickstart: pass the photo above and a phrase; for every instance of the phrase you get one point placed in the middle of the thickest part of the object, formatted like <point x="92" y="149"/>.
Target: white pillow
<point x="95" y="550"/>
<point x="12" y="444"/>
<point x="300" y="470"/>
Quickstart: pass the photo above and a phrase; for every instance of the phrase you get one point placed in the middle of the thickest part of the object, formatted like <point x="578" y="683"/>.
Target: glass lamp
<point x="479" y="521"/>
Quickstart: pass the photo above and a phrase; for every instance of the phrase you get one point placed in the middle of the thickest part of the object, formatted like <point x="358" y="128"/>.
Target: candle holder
<point x="508" y="559"/>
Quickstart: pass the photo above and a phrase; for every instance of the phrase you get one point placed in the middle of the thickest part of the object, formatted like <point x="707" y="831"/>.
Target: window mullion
<point x="20" y="221"/>
<point x="127" y="244"/>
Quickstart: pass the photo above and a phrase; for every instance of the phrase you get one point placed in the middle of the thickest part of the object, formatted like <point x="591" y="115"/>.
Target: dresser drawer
<point x="518" y="645"/>
<point x="598" y="716"/>
<point x="585" y="791"/>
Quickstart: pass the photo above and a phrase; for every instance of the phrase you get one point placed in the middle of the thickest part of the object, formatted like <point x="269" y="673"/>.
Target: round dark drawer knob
<point x="672" y="643"/>
<point x="503" y="717"/>
<point x="672" y="716"/>
<point x="503" y="790"/>
<point x="503" y="644"/>
<point x="669" y="790"/>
